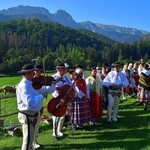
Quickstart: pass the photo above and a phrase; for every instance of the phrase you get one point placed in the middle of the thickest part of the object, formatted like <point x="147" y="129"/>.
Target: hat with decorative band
<point x="27" y="68"/>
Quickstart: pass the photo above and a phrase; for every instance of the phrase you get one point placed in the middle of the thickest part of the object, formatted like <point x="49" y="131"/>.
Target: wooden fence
<point x="4" y="97"/>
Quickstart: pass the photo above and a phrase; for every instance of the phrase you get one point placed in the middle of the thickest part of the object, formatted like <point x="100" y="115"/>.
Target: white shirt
<point x="147" y="72"/>
<point x="27" y="97"/>
<point x="47" y="89"/>
<point x="65" y="81"/>
<point x="116" y="78"/>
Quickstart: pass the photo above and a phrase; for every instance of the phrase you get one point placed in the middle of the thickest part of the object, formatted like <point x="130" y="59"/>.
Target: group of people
<point x="138" y="76"/>
<point x="85" y="106"/>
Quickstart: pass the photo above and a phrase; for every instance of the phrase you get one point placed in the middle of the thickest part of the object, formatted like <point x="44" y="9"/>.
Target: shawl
<point x="81" y="84"/>
<point x="144" y="80"/>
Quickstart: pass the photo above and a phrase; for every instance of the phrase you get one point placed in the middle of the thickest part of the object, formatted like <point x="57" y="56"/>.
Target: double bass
<point x="58" y="106"/>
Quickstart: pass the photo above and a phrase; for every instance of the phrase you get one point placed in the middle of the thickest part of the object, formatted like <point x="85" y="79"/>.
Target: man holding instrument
<point x="29" y="103"/>
<point x="59" y="121"/>
<point x="48" y="89"/>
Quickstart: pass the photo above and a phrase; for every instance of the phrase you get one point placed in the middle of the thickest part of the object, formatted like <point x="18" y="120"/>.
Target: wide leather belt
<point x="29" y="113"/>
<point x="114" y="88"/>
<point x="115" y="92"/>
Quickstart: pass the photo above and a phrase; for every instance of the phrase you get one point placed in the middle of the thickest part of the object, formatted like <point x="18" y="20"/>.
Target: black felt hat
<point x="78" y="66"/>
<point x="38" y="67"/>
<point x="27" y="68"/>
<point x="117" y="63"/>
<point x="62" y="65"/>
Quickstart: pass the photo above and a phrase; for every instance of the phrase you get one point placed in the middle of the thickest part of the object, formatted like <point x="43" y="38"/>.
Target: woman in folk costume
<point x="136" y="76"/>
<point x="114" y="80"/>
<point x="126" y="90"/>
<point x="76" y="106"/>
<point x="80" y="111"/>
<point x="94" y="92"/>
<point x="144" y="86"/>
<point x="132" y="83"/>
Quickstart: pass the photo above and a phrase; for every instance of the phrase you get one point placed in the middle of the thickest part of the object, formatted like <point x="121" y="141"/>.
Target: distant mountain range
<point x="116" y="33"/>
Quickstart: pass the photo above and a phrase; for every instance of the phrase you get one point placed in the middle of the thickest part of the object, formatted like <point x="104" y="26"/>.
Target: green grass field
<point x="132" y="132"/>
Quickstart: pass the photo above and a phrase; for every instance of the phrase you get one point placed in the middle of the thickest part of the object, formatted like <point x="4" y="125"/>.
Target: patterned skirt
<point x="80" y="111"/>
<point x="143" y="95"/>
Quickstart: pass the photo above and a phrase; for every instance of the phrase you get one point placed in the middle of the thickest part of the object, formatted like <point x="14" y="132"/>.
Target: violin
<point x="38" y="82"/>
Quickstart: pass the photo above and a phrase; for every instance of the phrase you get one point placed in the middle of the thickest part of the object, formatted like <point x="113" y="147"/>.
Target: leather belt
<point x="114" y="87"/>
<point x="29" y="113"/>
<point x="115" y="92"/>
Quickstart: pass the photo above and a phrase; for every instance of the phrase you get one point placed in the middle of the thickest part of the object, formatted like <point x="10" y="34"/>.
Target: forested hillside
<point x="24" y="40"/>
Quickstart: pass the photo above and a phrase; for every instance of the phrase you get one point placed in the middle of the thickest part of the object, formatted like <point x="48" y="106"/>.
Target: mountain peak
<point x="62" y="13"/>
<point x="64" y="18"/>
<point x="19" y="10"/>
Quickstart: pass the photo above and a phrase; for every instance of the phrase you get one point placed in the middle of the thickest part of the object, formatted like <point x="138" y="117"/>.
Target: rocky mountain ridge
<point x="117" y="33"/>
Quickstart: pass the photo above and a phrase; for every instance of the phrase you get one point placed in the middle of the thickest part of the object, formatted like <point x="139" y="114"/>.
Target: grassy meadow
<point x="132" y="132"/>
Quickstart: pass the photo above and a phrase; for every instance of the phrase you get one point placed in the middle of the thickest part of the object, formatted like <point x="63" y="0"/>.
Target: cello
<point x="58" y="106"/>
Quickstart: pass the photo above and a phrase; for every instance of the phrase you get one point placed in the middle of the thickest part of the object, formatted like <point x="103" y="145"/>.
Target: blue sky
<point x="125" y="13"/>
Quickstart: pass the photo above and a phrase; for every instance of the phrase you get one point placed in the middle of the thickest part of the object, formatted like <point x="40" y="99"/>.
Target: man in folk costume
<point x="114" y="80"/>
<point x="29" y="103"/>
<point x="59" y="121"/>
<point x="143" y="94"/>
<point x="107" y="67"/>
<point x="48" y="89"/>
<point x="94" y="85"/>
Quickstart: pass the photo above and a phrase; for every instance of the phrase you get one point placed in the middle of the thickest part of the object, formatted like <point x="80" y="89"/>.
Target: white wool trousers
<point x="113" y="105"/>
<point x="37" y="127"/>
<point x="28" y="129"/>
<point x="58" y="124"/>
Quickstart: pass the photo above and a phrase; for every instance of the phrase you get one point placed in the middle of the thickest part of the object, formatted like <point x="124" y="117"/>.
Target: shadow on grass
<point x="130" y="133"/>
<point x="129" y="139"/>
<point x="126" y="145"/>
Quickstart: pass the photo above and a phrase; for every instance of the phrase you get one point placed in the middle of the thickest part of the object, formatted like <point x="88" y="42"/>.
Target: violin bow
<point x="44" y="74"/>
<point x="43" y="67"/>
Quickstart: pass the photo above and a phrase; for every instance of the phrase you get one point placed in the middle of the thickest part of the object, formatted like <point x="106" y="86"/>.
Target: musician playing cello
<point x="59" y="121"/>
